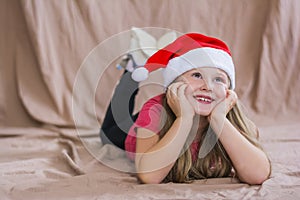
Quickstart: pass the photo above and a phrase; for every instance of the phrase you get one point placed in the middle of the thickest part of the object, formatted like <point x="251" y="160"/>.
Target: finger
<point x="231" y="99"/>
<point x="171" y="90"/>
<point x="181" y="90"/>
<point x="171" y="95"/>
<point x="174" y="87"/>
<point x="176" y="84"/>
<point x="232" y="96"/>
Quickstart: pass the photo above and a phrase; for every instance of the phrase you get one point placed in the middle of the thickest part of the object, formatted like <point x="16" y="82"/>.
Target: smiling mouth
<point x="204" y="99"/>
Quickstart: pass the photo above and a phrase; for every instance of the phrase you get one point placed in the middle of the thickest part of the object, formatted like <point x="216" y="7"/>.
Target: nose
<point x="205" y="85"/>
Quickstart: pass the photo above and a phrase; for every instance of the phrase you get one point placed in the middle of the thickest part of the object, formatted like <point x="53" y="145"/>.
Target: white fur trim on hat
<point x="200" y="57"/>
<point x="140" y="74"/>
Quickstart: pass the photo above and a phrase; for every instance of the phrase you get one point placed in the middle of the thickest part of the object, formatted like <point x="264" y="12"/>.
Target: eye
<point x="197" y="75"/>
<point x="220" y="80"/>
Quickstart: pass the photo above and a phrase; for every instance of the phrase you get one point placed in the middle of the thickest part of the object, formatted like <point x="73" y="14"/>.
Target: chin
<point x="204" y="113"/>
<point x="202" y="109"/>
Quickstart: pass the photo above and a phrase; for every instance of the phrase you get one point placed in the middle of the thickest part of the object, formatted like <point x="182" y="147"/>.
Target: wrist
<point x="186" y="121"/>
<point x="217" y="116"/>
<point x="217" y="120"/>
<point x="186" y="118"/>
<point x="188" y="114"/>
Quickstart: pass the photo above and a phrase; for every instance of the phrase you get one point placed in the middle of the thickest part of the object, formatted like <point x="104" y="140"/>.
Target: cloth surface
<point x="50" y="163"/>
<point x="57" y="74"/>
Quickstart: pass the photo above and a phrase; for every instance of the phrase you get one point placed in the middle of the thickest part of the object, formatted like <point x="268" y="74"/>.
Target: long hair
<point x="216" y="163"/>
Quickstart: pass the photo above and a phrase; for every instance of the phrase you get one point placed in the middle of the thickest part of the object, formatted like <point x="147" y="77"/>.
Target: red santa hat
<point x="189" y="51"/>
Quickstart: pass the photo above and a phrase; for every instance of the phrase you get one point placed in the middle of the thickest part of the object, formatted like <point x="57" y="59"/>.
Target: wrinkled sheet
<point x="51" y="163"/>
<point x="57" y="74"/>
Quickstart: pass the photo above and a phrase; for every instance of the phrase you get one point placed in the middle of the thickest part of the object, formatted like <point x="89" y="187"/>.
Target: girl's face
<point x="208" y="86"/>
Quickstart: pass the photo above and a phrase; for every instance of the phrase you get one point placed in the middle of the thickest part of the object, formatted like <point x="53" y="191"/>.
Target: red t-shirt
<point x="149" y="118"/>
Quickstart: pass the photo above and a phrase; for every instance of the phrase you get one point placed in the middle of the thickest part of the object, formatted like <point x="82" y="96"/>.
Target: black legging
<point x="119" y="115"/>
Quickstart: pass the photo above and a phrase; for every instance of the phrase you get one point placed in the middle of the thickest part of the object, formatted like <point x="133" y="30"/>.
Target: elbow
<point x="148" y="178"/>
<point x="258" y="180"/>
<point x="260" y="177"/>
<point x="263" y="176"/>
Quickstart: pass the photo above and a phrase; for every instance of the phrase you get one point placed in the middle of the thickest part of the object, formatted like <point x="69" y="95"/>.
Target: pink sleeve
<point x="150" y="116"/>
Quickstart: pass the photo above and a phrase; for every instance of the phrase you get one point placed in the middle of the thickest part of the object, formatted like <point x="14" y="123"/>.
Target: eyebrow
<point x="222" y="74"/>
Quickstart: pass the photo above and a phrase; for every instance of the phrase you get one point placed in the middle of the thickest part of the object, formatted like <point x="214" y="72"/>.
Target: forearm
<point x="154" y="164"/>
<point x="250" y="162"/>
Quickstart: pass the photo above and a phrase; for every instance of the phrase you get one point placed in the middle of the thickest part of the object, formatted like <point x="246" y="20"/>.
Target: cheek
<point x="189" y="89"/>
<point x="221" y="92"/>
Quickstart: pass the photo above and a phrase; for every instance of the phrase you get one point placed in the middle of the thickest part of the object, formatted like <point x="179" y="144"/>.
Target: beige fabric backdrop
<point x="43" y="44"/>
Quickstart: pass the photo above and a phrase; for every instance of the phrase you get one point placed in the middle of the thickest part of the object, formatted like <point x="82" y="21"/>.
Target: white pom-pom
<point x="140" y="74"/>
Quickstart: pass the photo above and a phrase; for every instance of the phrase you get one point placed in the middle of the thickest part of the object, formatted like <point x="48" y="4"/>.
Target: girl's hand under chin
<point x="178" y="101"/>
<point x="223" y="107"/>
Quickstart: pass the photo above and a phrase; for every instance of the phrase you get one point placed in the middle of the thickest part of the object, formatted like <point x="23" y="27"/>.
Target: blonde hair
<point x="186" y="170"/>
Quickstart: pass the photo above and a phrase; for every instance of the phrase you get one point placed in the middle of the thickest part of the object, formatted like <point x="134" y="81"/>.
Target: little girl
<point x="196" y="129"/>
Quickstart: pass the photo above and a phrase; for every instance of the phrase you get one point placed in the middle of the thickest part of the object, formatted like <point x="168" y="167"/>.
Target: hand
<point x="177" y="100"/>
<point x="223" y="107"/>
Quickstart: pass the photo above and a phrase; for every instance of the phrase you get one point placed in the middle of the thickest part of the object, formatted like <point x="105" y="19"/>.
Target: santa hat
<point x="189" y="51"/>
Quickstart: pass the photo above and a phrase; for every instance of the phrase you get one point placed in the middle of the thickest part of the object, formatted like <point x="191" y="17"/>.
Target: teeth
<point x="204" y="99"/>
